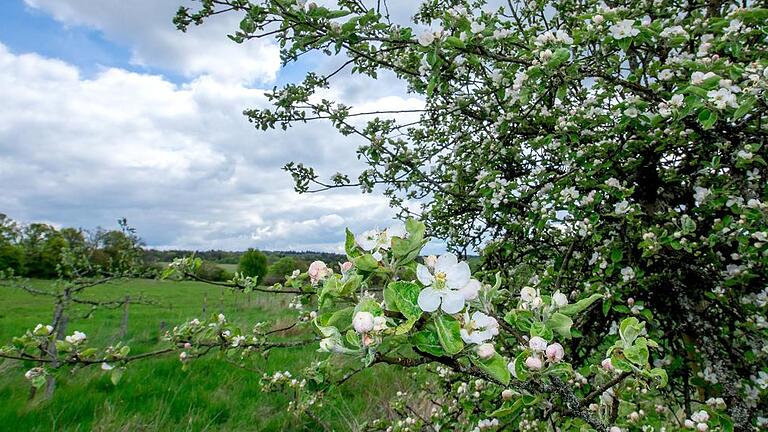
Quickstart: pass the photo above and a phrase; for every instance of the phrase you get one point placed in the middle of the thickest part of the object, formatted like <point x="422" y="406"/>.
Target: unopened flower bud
<point x="607" y="365"/>
<point x="555" y="352"/>
<point x="363" y="322"/>
<point x="507" y="394"/>
<point x="537" y="344"/>
<point x="485" y="351"/>
<point x="533" y="363"/>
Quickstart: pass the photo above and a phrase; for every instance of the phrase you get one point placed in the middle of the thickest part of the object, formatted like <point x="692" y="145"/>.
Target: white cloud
<point x="178" y="160"/>
<point x="146" y="27"/>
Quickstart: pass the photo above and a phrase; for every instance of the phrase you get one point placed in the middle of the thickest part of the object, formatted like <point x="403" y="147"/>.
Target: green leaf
<point x="406" y="250"/>
<point x="39" y="381"/>
<point x="449" y="333"/>
<point x="406" y="295"/>
<point x="428" y="342"/>
<point x="495" y="366"/>
<point x="542" y="330"/>
<point x="630" y="329"/>
<point x="366" y="263"/>
<point x="659" y="374"/>
<point x="117" y="375"/>
<point x="521" y="373"/>
<point x="707" y="118"/>
<point x="745" y="107"/>
<point x="453" y="41"/>
<point x="561" y="324"/>
<point x="350" y="246"/>
<point x="620" y="364"/>
<point x="625" y="43"/>
<point x="574" y="308"/>
<point x="342" y="318"/>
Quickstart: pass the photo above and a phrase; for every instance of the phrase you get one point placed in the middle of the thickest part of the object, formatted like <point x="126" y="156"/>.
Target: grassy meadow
<point x="155" y="394"/>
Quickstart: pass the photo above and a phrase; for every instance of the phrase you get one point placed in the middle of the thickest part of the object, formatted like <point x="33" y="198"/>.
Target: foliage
<point x="253" y="264"/>
<point x="608" y="162"/>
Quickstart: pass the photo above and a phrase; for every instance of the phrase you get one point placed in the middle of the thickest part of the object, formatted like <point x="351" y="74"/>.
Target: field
<point x="156" y="394"/>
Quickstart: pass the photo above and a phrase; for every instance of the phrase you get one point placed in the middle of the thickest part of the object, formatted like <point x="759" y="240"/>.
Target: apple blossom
<point x="479" y="328"/>
<point x="318" y="271"/>
<point x="442" y="287"/>
<point x="537" y="344"/>
<point x="533" y="363"/>
<point x="559" y="299"/>
<point x="624" y="29"/>
<point x="555" y="352"/>
<point x="485" y="351"/>
<point x="507" y="394"/>
<point x="363" y="322"/>
<point x="76" y="338"/>
<point x="607" y="365"/>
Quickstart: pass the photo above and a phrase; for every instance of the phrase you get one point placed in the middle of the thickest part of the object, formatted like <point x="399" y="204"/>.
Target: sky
<point x="107" y="111"/>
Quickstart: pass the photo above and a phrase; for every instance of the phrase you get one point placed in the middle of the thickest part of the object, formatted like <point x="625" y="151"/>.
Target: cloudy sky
<point x="108" y="111"/>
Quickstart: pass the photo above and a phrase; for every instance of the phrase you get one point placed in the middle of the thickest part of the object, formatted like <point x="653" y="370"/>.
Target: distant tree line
<point x="41" y="250"/>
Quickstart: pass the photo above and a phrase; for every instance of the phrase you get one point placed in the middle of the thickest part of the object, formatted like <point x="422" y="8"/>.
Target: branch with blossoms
<point x="386" y="305"/>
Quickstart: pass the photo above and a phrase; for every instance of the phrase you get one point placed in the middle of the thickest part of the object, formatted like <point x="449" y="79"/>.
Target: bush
<point x="211" y="271"/>
<point x="254" y="264"/>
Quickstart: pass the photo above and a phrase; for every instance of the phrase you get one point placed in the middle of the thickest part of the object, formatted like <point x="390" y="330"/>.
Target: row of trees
<point x="40" y="250"/>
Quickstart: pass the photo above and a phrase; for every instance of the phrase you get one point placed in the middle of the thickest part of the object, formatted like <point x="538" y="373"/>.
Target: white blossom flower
<point x="677" y="100"/>
<point x="621" y="207"/>
<point x="673" y="31"/>
<point x="442" y="287"/>
<point x="700" y="194"/>
<point x="631" y="112"/>
<point x="76" y="338"/>
<point x="698" y="78"/>
<point x="477" y="27"/>
<point x="106" y="366"/>
<point x="666" y="75"/>
<point x="507" y="394"/>
<point x="318" y="271"/>
<point x="479" y="328"/>
<point x="700" y="416"/>
<point x="379" y="323"/>
<point x="559" y="299"/>
<point x="733" y="27"/>
<point x="363" y="322"/>
<point x="426" y="38"/>
<point x="624" y="29"/>
<point x="722" y="98"/>
<point x="471" y="290"/>
<point x="627" y="274"/>
<point x="485" y="351"/>
<point x="42" y="330"/>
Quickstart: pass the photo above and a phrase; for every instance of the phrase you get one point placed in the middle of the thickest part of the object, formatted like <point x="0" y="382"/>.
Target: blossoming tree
<point x="607" y="160"/>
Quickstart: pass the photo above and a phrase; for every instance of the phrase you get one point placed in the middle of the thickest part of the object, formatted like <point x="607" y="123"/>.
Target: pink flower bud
<point x="346" y="266"/>
<point x="702" y="427"/>
<point x="607" y="365"/>
<point x="485" y="351"/>
<point x="507" y="394"/>
<point x="555" y="352"/>
<point x="187" y="345"/>
<point x="533" y="363"/>
<point x="630" y="302"/>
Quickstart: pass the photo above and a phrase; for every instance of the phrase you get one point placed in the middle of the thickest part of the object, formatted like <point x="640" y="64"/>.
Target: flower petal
<point x="423" y="275"/>
<point x="453" y="302"/>
<point x="445" y="262"/>
<point x="458" y="276"/>
<point x="429" y="299"/>
<point x="471" y="289"/>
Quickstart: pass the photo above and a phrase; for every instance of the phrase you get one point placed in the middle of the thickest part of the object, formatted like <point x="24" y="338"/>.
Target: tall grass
<point x="155" y="394"/>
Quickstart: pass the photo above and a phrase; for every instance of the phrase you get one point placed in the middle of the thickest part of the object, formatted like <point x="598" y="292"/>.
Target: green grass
<point x="156" y="394"/>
